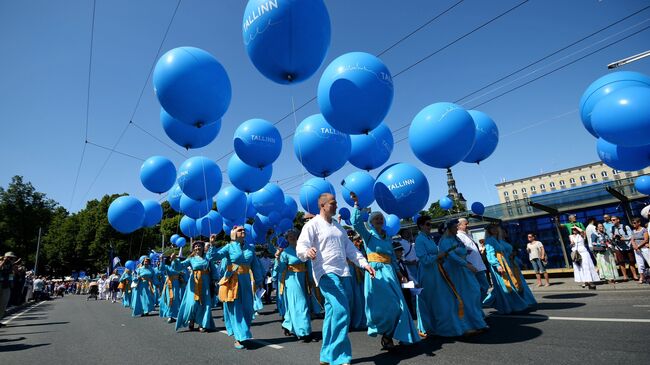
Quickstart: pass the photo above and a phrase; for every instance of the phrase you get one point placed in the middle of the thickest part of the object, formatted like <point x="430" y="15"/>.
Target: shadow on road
<point x="569" y="296"/>
<point x="504" y="329"/>
<point x="401" y="353"/>
<point x="556" y="306"/>
<point x="20" y="347"/>
<point x="3" y="340"/>
<point x="23" y="333"/>
<point x="35" y="324"/>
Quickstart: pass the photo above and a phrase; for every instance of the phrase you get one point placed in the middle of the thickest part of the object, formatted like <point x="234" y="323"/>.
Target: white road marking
<point x="21" y="313"/>
<point x="587" y="319"/>
<point x="642" y="305"/>
<point x="261" y="342"/>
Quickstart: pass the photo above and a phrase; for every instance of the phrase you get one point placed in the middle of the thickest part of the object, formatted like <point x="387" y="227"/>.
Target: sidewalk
<point x="567" y="284"/>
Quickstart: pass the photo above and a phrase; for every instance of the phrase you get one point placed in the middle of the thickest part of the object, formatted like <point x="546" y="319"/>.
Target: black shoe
<point x="287" y="332"/>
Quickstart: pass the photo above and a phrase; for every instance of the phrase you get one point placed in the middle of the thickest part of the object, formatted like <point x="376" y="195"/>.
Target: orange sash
<point x="461" y="306"/>
<point x="514" y="275"/>
<point x="198" y="284"/>
<point x="302" y="267"/>
<point x="378" y="257"/>
<point x="229" y="284"/>
<point x="170" y="288"/>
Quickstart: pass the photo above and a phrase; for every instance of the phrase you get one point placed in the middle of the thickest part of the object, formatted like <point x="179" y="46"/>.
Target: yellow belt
<point x="229" y="284"/>
<point x="461" y="305"/>
<point x="302" y="267"/>
<point x="198" y="284"/>
<point x="514" y="274"/>
<point x="379" y="257"/>
<point x="170" y="287"/>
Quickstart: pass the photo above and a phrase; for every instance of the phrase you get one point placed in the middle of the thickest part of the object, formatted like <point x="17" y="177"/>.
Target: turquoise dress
<point x="386" y="310"/>
<point x="238" y="314"/>
<point x="464" y="282"/>
<point x="196" y="305"/>
<point x="126" y="278"/>
<point x="296" y="293"/>
<point x="171" y="294"/>
<point x="143" y="294"/>
<point x="279" y="301"/>
<point x="357" y="299"/>
<point x="437" y="303"/>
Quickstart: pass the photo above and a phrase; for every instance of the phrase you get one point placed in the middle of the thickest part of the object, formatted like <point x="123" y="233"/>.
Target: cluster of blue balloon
<point x="616" y="109"/>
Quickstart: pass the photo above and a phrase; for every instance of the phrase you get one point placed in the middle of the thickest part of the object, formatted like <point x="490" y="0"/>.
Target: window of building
<point x="551" y="184"/>
<point x="505" y="193"/>
<point x="532" y="188"/>
<point x="572" y="181"/>
<point x="519" y="211"/>
<point x="561" y="182"/>
<point x="514" y="192"/>
<point x="542" y="186"/>
<point x="615" y="172"/>
<point x="582" y="178"/>
<point x="603" y="174"/>
<point x="593" y="176"/>
<point x="523" y="190"/>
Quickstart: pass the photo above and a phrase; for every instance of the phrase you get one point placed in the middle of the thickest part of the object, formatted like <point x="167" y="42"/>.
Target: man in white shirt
<point x="410" y="258"/>
<point x="591" y="229"/>
<point x="326" y="243"/>
<point x="473" y="256"/>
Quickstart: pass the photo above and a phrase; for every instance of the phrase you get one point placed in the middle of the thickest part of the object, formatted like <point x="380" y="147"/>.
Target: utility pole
<point x="38" y="248"/>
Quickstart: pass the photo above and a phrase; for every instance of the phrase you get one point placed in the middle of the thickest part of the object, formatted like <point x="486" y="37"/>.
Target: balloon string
<point x="485" y="184"/>
<point x="205" y="192"/>
<point x="295" y="123"/>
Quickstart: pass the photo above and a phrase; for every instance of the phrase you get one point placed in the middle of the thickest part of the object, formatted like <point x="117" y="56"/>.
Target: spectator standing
<point x="591" y="229"/>
<point x="114" y="282"/>
<point x="8" y="264"/>
<point x="621" y="235"/>
<point x="410" y="259"/>
<point x="29" y="286"/>
<point x="607" y="223"/>
<point x="537" y="258"/>
<point x="603" y="250"/>
<point x="573" y="222"/>
<point x="639" y="243"/>
<point x="39" y="288"/>
<point x="583" y="268"/>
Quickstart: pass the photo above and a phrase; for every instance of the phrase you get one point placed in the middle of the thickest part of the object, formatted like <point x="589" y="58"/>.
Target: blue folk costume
<point x="279" y="301"/>
<point x="143" y="295"/>
<point x="357" y="299"/>
<point x="386" y="310"/>
<point x="464" y="282"/>
<point x="196" y="306"/>
<point x="172" y="293"/>
<point x="510" y="293"/>
<point x="242" y="268"/>
<point x="125" y="281"/>
<point x="440" y="308"/>
<point x="158" y="281"/>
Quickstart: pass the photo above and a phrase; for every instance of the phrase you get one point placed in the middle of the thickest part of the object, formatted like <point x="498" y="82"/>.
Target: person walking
<point x="113" y="283"/>
<point x="8" y="264"/>
<point x="583" y="268"/>
<point x="639" y="243"/>
<point x="474" y="256"/>
<point x="172" y="293"/>
<point x="125" y="283"/>
<point x="605" y="260"/>
<point x="537" y="258"/>
<point x="324" y="242"/>
<point x="143" y="295"/>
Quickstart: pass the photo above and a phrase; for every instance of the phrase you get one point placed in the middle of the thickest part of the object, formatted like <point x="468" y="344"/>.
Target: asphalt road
<point x="584" y="327"/>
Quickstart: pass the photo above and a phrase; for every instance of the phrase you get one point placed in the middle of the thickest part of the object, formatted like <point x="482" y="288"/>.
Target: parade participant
<point x="143" y="295"/>
<point x="386" y="310"/>
<point x="102" y="284"/>
<point x="583" y="268"/>
<point x="324" y="241"/>
<point x="461" y="274"/>
<point x="236" y="289"/>
<point x="357" y="300"/>
<point x="639" y="243"/>
<point x="171" y="296"/>
<point x="158" y="282"/>
<point x="196" y="306"/>
<point x="125" y="287"/>
<point x="474" y="256"/>
<point x="507" y="295"/>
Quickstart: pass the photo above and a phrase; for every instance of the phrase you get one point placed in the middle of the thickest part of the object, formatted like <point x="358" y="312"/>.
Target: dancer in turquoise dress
<point x="386" y="310"/>
<point x="125" y="281"/>
<point x="461" y="274"/>
<point x="357" y="299"/>
<point x="196" y="306"/>
<point x="143" y="294"/>
<point x="172" y="294"/>
<point x="237" y="291"/>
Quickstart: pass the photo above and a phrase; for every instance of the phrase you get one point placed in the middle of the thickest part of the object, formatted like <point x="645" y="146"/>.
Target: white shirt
<point x="409" y="250"/>
<point x="473" y="254"/>
<point x="332" y="246"/>
<point x="589" y="231"/>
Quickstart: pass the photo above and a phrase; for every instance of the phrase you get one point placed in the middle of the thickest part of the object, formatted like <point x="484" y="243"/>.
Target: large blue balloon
<point x="174" y="197"/>
<point x="311" y="191"/>
<point x="355" y="92"/>
<point x="360" y="183"/>
<point x="130" y="264"/>
<point x="153" y="213"/>
<point x="188" y="227"/>
<point x="290" y="209"/>
<point x="401" y="189"/>
<point x="257" y="142"/>
<point x="199" y="178"/>
<point x="173" y="238"/>
<point x="274" y="217"/>
<point x="623" y="158"/>
<point x="442" y="134"/>
<point x="181" y="242"/>
<point x="345" y="214"/>
<point x="192" y="86"/>
<point x="478" y="208"/>
<point x="250" y="208"/>
<point x="195" y="208"/>
<point x="264" y="220"/>
<point x="246" y="177"/>
<point x="392" y="225"/>
<point x="446" y="203"/>
<point x="261" y="224"/>
<point x="319" y="147"/>
<point x="623" y="117"/>
<point x="604" y="86"/>
<point x="212" y="223"/>
<point x="371" y="150"/>
<point x="189" y="136"/>
<point x="268" y="199"/>
<point x="126" y="214"/>
<point x="286" y="39"/>
<point x="231" y="203"/>
<point x="642" y="184"/>
<point x="158" y="174"/>
<point x="228" y="224"/>
<point x="285" y="225"/>
<point x="486" y="137"/>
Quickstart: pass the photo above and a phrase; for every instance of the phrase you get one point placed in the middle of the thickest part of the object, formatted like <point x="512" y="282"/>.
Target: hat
<point x="10" y="254"/>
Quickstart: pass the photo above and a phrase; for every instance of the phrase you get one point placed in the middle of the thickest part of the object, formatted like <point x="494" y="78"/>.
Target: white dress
<point x="585" y="272"/>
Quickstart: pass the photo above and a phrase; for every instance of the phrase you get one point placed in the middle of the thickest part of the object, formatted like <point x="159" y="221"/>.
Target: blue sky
<point x="44" y="80"/>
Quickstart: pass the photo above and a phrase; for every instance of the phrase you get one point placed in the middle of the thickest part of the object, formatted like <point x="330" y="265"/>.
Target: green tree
<point x="435" y="211"/>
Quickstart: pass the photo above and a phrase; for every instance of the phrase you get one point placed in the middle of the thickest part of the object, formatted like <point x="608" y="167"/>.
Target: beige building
<point x="554" y="181"/>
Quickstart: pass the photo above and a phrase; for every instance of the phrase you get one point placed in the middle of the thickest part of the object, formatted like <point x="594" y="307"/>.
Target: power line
<point x="158" y="139"/>
<point x="115" y="151"/>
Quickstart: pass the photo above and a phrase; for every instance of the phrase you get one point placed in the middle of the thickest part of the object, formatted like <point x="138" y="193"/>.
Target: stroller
<point x="93" y="290"/>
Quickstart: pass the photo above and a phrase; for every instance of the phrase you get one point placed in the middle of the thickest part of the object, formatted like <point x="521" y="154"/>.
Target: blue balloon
<point x="212" y="223"/>
<point x="126" y="214"/>
<point x="192" y="86"/>
<point x="347" y="222"/>
<point x="355" y="92"/>
<point x="371" y="150"/>
<point x="623" y="117"/>
<point x="153" y="213"/>
<point x="320" y="148"/>
<point x="189" y="136"/>
<point x="181" y="242"/>
<point x="311" y="190"/>
<point x="442" y="134"/>
<point x="286" y="40"/>
<point x="391" y="225"/>
<point x="478" y="208"/>
<point x="249" y="239"/>
<point x="246" y="177"/>
<point x="250" y="208"/>
<point x="174" y="197"/>
<point x="415" y="217"/>
<point x="274" y="217"/>
<point x="231" y="203"/>
<point x="486" y="137"/>
<point x="285" y="225"/>
<point x="604" y="86"/>
<point x="345" y="214"/>
<point x="199" y="178"/>
<point x="257" y="142"/>
<point x="360" y="183"/>
<point x="446" y="203"/>
<point x="623" y="158"/>
<point x="173" y="238"/>
<point x="158" y="174"/>
<point x="642" y="184"/>
<point x="282" y="242"/>
<point x="130" y="264"/>
<point x="188" y="227"/>
<point x="290" y="209"/>
<point x="268" y="199"/>
<point x="401" y="189"/>
<point x="264" y="220"/>
<point x="195" y="208"/>
<point x="365" y="215"/>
